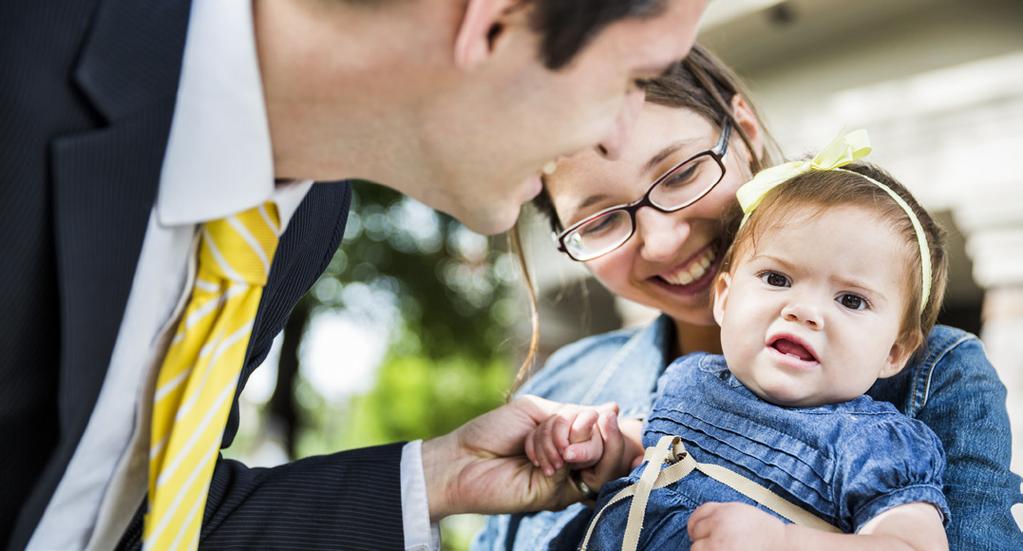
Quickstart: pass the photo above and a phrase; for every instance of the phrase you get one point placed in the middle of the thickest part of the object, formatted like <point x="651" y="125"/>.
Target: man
<point x="131" y="126"/>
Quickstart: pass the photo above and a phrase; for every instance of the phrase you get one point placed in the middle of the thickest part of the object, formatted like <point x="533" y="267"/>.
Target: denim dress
<point x="845" y="463"/>
<point x="951" y="386"/>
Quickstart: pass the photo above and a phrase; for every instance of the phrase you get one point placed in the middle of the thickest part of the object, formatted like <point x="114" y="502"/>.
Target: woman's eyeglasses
<point x="681" y="186"/>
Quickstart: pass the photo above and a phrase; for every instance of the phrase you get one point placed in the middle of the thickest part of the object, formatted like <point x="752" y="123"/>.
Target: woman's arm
<point x="957" y="393"/>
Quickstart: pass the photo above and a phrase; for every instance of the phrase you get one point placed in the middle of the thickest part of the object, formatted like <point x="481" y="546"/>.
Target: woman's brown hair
<point x="701" y="83"/>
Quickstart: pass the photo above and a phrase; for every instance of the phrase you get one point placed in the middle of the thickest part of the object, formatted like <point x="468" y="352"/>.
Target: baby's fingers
<point x="531" y="449"/>
<point x="539" y="440"/>
<point x="702" y="521"/>
<point x="562" y="428"/>
<point x="556" y="431"/>
<point x="585" y="454"/>
<point x="584" y="426"/>
<point x="610" y="465"/>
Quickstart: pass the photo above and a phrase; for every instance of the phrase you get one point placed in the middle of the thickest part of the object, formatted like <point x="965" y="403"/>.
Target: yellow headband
<point x="843" y="150"/>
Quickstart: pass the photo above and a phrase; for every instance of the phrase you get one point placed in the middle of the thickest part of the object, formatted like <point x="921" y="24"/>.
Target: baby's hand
<point x="570" y="437"/>
<point x="721" y="526"/>
<point x="623" y="450"/>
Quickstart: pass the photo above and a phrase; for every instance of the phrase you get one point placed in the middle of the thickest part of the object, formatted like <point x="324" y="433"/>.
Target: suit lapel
<point x="104" y="185"/>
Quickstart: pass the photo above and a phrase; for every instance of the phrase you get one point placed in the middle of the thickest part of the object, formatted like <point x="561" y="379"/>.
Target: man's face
<point x="486" y="140"/>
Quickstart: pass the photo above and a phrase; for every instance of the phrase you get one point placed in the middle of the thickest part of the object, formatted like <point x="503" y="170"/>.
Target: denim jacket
<point x="951" y="387"/>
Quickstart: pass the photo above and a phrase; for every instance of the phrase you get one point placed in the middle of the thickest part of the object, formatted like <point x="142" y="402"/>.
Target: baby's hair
<point x="826" y="189"/>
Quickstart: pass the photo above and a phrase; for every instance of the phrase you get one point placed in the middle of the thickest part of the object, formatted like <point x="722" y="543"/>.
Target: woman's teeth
<point x="696" y="269"/>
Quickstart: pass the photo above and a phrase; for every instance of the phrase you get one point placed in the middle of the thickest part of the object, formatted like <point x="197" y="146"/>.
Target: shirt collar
<point x="219" y="158"/>
<point x="629" y="376"/>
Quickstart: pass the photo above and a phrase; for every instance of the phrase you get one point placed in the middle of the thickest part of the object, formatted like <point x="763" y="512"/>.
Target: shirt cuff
<point x="420" y="533"/>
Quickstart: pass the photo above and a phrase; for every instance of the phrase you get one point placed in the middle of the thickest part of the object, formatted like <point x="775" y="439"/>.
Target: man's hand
<point x="729" y="526"/>
<point x="569" y="437"/>
<point x="482" y="466"/>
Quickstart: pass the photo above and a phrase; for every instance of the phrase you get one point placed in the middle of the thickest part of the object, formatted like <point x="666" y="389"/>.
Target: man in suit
<point x="127" y="126"/>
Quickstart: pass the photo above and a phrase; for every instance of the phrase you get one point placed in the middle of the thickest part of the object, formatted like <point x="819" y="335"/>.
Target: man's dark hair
<point x="567" y="26"/>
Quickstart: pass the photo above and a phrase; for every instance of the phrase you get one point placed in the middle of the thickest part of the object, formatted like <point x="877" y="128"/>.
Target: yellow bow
<point x="843" y="150"/>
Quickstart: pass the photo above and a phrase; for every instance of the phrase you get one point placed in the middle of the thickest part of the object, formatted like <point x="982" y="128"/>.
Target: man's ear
<point x="482" y="24"/>
<point x="721" y="285"/>
<point x="899" y="355"/>
<point x="746" y="118"/>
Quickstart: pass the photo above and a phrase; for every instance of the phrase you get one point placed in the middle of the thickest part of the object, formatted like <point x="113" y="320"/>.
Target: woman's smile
<point x="694" y="275"/>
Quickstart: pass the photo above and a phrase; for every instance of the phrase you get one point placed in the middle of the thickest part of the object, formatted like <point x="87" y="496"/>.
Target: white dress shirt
<point x="219" y="161"/>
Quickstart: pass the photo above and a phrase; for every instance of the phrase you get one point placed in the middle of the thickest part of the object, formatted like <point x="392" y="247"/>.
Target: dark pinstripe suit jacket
<point x="87" y="90"/>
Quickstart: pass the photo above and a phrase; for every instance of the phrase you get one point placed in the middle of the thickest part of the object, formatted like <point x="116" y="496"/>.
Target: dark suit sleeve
<point x="349" y="500"/>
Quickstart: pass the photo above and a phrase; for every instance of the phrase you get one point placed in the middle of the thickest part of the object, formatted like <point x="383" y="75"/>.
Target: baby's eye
<point x="852" y="302"/>
<point x="774" y="279"/>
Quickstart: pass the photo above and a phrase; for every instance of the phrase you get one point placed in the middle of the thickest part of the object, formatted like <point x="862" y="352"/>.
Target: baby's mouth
<point x="793" y="347"/>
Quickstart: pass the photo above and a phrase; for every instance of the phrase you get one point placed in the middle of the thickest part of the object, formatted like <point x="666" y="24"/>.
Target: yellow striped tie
<point x="196" y="384"/>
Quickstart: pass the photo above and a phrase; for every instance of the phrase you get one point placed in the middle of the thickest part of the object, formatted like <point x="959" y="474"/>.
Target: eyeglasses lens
<point x="599" y="235"/>
<point x="686" y="183"/>
<point x="674" y="190"/>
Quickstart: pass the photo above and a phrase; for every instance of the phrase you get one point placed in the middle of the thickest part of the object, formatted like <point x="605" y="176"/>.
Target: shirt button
<point x="723" y="375"/>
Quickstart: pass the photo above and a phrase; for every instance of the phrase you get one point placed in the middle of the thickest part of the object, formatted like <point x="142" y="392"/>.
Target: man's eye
<point x="852" y="302"/>
<point x="774" y="279"/>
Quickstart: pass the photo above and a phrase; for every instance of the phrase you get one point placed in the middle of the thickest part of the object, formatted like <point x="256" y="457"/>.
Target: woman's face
<point x="671" y="260"/>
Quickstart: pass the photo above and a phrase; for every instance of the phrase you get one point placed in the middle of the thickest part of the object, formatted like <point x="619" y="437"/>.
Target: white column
<point x="993" y="225"/>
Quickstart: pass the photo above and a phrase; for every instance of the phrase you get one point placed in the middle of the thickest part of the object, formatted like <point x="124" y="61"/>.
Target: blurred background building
<point x="417" y="307"/>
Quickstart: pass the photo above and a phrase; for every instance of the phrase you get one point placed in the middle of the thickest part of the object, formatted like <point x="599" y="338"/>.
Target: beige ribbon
<point x="671" y="450"/>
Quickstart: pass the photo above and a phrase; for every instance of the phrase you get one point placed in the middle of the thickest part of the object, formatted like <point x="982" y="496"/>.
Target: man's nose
<point x="614" y="142"/>
<point x="661" y="234"/>
<point x="805" y="313"/>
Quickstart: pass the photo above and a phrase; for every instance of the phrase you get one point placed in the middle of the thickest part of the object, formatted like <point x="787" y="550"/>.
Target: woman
<point x="699" y="134"/>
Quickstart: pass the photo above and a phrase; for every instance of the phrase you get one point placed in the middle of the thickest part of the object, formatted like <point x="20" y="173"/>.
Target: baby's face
<point x="812" y="316"/>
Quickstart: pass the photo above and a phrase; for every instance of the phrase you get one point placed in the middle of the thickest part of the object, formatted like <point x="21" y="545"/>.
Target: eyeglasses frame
<point x="717" y="152"/>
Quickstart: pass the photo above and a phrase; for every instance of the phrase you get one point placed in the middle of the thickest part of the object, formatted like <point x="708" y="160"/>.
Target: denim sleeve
<point x="894" y="461"/>
<point x="963" y="401"/>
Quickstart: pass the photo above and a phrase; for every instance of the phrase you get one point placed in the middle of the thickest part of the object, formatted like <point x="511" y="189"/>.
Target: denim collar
<point x="632" y="372"/>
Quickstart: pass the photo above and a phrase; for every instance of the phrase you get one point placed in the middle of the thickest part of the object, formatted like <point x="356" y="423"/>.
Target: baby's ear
<point x="900" y="353"/>
<point x="721" y="285"/>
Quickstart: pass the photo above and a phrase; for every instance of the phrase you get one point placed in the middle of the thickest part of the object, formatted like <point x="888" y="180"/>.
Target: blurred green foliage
<point x="453" y="306"/>
<point x="450" y="357"/>
<point x="414" y="397"/>
<point x="452" y="286"/>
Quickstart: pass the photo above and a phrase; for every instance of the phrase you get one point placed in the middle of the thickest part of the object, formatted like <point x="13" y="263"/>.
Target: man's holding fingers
<point x="588" y="439"/>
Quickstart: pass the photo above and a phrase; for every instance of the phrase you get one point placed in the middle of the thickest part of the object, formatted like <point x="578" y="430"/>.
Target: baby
<point x="833" y="280"/>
